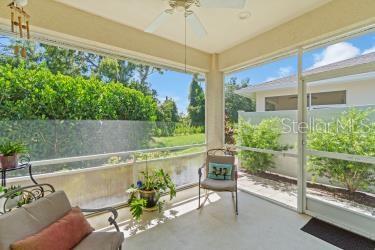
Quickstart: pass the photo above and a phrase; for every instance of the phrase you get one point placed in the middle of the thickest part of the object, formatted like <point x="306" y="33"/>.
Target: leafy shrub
<point x="28" y="94"/>
<point x="265" y="135"/>
<point x="350" y="134"/>
<point x="186" y="129"/>
<point x="163" y="129"/>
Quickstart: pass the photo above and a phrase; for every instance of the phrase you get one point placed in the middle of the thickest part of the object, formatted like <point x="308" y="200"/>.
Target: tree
<point x="79" y="63"/>
<point x="196" y="108"/>
<point x="169" y="111"/>
<point x="167" y="117"/>
<point x="108" y="70"/>
<point x="144" y="71"/>
<point x="235" y="102"/>
<point x="65" y="61"/>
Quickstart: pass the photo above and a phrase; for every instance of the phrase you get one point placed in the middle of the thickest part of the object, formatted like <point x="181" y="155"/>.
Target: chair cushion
<point x="218" y="171"/>
<point x="32" y="218"/>
<point x="63" y="234"/>
<point x="101" y="241"/>
<point x="221" y="159"/>
<point x="219" y="185"/>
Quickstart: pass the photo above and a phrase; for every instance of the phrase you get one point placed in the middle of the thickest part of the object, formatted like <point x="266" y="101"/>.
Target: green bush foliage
<point x="28" y="94"/>
<point x="265" y="135"/>
<point x="186" y="129"/>
<point x="167" y="118"/>
<point x="353" y="134"/>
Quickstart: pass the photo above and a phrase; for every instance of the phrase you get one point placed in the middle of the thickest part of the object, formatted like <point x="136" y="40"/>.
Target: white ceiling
<point x="224" y="27"/>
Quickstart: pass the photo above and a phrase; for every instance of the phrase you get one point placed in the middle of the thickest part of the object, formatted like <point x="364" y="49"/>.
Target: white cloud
<point x="268" y="79"/>
<point x="370" y="50"/>
<point x="335" y="53"/>
<point x="282" y="72"/>
<point x="285" y="71"/>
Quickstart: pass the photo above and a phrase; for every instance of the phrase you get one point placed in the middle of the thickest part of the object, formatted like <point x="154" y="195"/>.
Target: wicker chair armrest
<point x="111" y="219"/>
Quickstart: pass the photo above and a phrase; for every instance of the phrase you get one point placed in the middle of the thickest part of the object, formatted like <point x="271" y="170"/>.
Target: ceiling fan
<point x="184" y="6"/>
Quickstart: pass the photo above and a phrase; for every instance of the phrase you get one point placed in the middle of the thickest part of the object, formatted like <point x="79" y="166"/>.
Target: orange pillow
<point x="64" y="234"/>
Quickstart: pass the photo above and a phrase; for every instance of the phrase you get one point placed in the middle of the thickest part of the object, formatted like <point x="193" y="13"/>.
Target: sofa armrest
<point x="111" y="219"/>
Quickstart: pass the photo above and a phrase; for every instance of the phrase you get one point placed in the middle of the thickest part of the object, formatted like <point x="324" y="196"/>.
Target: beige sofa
<point x="32" y="218"/>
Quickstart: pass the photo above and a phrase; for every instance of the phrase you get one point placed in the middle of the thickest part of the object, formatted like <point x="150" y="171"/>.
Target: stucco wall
<point x="358" y="93"/>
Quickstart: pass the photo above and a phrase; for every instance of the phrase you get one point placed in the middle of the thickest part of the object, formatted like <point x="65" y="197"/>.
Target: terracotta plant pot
<point x="152" y="198"/>
<point x="7" y="162"/>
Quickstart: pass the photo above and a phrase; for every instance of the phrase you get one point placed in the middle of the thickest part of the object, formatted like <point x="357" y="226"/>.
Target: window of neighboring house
<point x="286" y="102"/>
<point x="328" y="98"/>
<point x="290" y="102"/>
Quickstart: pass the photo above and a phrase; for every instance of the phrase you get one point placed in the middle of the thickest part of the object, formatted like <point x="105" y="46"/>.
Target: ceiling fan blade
<point x="235" y="4"/>
<point x="196" y="25"/>
<point x="157" y="22"/>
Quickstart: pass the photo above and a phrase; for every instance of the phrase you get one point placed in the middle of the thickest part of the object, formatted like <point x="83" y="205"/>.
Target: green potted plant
<point x="13" y="200"/>
<point x="9" y="152"/>
<point x="146" y="194"/>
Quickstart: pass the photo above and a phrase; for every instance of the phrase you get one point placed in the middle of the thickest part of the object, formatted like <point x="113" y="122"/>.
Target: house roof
<point x="291" y="81"/>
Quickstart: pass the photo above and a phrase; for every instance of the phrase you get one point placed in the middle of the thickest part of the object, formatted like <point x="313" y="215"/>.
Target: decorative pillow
<point x="63" y="234"/>
<point x="218" y="171"/>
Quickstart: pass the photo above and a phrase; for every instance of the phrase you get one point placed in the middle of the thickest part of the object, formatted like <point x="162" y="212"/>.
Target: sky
<point x="311" y="59"/>
<point x="172" y="84"/>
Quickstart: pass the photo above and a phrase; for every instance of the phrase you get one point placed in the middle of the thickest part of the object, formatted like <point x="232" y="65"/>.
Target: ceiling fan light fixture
<point x="243" y="15"/>
<point x="180" y="8"/>
<point x="21" y="3"/>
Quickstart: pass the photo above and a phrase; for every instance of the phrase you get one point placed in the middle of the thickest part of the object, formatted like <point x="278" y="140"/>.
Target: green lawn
<point x="180" y="140"/>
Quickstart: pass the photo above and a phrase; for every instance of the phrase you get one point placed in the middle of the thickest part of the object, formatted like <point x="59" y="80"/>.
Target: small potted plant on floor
<point x="146" y="194"/>
<point x="9" y="152"/>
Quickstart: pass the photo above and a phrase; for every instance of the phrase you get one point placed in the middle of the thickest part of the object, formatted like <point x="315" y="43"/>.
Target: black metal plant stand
<point x="19" y="167"/>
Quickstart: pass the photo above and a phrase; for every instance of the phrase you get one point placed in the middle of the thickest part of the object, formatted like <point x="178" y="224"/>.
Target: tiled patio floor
<point x="281" y="192"/>
<point x="260" y="225"/>
<point x="286" y="193"/>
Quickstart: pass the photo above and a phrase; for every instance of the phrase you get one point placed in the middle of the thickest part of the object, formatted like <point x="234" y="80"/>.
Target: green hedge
<point x="39" y="94"/>
<point x="61" y="116"/>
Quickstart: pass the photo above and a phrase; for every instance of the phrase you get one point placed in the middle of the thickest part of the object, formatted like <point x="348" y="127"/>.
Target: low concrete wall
<point x="106" y="185"/>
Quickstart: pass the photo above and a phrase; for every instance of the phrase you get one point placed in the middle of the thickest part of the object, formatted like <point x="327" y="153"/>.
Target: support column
<point x="215" y="105"/>
<point x="302" y="121"/>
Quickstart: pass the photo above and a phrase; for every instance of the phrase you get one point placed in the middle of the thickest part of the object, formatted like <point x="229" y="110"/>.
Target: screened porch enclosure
<point x="309" y="157"/>
<point x="304" y="148"/>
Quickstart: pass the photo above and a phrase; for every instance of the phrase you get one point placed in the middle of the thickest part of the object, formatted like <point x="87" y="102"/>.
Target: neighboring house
<point x="281" y="94"/>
